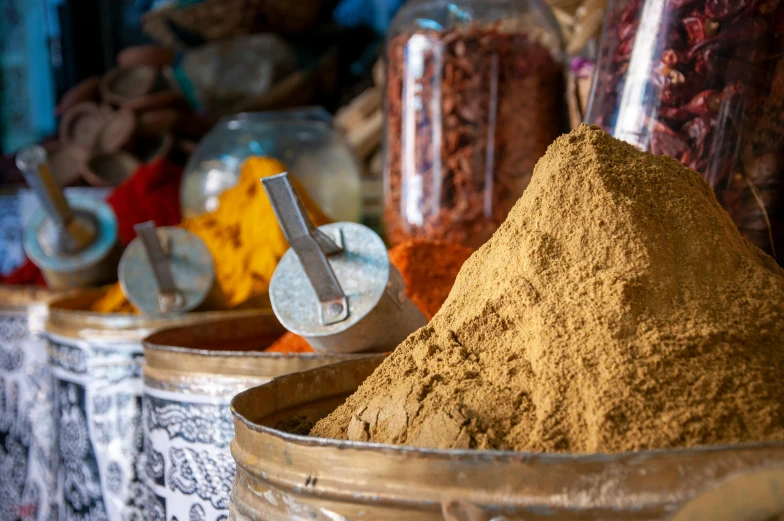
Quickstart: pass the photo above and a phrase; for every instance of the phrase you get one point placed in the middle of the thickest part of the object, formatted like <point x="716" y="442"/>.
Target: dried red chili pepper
<point x="724" y="8"/>
<point x="765" y="7"/>
<point x="677" y="4"/>
<point x="713" y="98"/>
<point x="704" y="103"/>
<point x="699" y="27"/>
<point x="666" y="142"/>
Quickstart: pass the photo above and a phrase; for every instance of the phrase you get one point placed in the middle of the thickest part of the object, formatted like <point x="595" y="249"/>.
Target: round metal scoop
<point x="166" y="270"/>
<point x="335" y="287"/>
<point x="73" y="241"/>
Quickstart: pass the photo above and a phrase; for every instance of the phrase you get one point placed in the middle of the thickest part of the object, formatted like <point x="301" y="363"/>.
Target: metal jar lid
<point x="73" y="241"/>
<point x="335" y="286"/>
<point x="44" y="254"/>
<point x="166" y="270"/>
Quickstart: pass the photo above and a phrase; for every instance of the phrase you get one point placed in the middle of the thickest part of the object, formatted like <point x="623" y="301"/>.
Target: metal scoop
<point x="335" y="287"/>
<point x="166" y="271"/>
<point x="73" y="241"/>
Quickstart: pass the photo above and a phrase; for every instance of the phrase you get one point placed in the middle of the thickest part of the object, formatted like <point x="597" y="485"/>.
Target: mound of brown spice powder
<point x="617" y="309"/>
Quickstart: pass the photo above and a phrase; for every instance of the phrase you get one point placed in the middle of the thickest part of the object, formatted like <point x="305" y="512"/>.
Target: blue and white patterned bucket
<point x="191" y="374"/>
<point x="26" y="431"/>
<point x="96" y="362"/>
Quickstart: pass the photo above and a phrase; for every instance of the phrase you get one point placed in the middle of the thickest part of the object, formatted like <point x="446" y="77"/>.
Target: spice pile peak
<point x="617" y="308"/>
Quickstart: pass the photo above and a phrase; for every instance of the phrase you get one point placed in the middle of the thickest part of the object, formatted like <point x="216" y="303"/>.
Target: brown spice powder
<point x="617" y="309"/>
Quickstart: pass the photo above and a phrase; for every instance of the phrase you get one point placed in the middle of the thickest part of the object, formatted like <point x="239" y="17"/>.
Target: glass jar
<point x="475" y="93"/>
<point x="304" y="140"/>
<point x="702" y="81"/>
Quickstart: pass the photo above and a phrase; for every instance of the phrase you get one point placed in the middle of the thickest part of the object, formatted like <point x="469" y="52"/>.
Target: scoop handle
<point x="169" y="297"/>
<point x="311" y="246"/>
<point x="32" y="162"/>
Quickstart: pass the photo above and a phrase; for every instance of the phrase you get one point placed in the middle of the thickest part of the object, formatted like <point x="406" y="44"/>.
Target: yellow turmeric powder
<point x="114" y="301"/>
<point x="244" y="238"/>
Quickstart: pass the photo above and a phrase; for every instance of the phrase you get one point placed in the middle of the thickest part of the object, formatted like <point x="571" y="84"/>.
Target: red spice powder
<point x="429" y="269"/>
<point x="289" y="343"/>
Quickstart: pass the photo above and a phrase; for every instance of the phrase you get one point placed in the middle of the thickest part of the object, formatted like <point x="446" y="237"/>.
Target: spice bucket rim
<point x="467" y="455"/>
<point x="80" y="317"/>
<point x="157" y="341"/>
<point x="248" y="354"/>
<point x="227" y="356"/>
<point x="20" y="298"/>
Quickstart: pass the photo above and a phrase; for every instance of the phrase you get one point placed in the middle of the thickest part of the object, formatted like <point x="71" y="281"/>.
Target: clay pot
<point x="106" y="109"/>
<point x="157" y="122"/>
<point x="117" y="132"/>
<point x="151" y="55"/>
<point x="67" y="160"/>
<point x="151" y="148"/>
<point x="86" y="90"/>
<point x="187" y="146"/>
<point x="156" y="100"/>
<point x="81" y="124"/>
<point x="110" y="169"/>
<point x="127" y="83"/>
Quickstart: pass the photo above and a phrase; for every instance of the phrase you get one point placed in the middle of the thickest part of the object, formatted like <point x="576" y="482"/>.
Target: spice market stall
<point x="30" y="439"/>
<point x="220" y="263"/>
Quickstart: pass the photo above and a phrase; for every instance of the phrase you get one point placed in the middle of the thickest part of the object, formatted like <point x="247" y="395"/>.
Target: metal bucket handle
<point x="456" y="510"/>
<point x="755" y="496"/>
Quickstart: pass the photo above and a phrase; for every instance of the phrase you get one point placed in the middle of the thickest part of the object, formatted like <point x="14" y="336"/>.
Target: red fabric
<point x="151" y="194"/>
<point x="25" y="275"/>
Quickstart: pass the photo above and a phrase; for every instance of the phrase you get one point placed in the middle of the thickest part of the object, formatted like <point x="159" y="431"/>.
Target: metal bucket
<point x="26" y="430"/>
<point x="96" y="361"/>
<point x="190" y="375"/>
<point x="283" y="476"/>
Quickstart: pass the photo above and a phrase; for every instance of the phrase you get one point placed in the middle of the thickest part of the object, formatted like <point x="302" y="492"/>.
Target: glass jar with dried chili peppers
<point x="703" y="81"/>
<point x="475" y="93"/>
